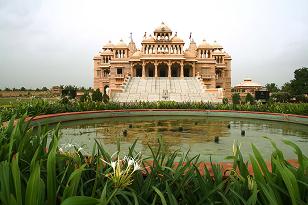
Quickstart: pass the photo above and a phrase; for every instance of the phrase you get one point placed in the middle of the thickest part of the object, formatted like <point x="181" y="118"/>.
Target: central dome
<point x="162" y="28"/>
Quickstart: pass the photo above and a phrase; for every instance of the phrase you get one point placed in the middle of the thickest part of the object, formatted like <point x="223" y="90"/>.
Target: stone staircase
<point x="167" y="89"/>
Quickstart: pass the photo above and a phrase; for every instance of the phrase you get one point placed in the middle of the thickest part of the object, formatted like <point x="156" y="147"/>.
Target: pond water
<point x="184" y="133"/>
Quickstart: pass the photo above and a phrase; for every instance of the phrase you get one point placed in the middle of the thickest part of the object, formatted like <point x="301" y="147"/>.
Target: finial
<point x="131" y="36"/>
<point x="190" y="36"/>
<point x="145" y="34"/>
<point x="176" y="33"/>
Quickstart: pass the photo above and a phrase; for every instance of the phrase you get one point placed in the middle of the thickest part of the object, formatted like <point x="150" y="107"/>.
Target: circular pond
<point x="194" y="133"/>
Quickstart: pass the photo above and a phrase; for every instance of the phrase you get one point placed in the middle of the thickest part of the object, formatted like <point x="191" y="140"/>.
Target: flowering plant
<point x="122" y="170"/>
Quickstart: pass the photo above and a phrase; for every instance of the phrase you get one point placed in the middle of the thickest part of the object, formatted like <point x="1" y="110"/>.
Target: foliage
<point x="225" y="101"/>
<point x="301" y="98"/>
<point x="249" y="99"/>
<point x="36" y="107"/>
<point x="44" y="89"/>
<point x="105" y="98"/>
<point x="97" y="96"/>
<point x="22" y="89"/>
<point x="282" y="97"/>
<point x="85" y="97"/>
<point x="35" y="170"/>
<point x="69" y="91"/>
<point x="272" y="87"/>
<point x="236" y="99"/>
<point x="299" y="85"/>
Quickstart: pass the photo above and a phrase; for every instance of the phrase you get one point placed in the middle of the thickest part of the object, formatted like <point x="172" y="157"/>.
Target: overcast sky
<point x="52" y="42"/>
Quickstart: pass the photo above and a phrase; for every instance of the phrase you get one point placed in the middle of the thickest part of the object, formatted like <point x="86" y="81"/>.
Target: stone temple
<point x="162" y="69"/>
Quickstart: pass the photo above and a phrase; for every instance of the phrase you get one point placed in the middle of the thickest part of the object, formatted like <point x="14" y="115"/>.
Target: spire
<point x="131" y="37"/>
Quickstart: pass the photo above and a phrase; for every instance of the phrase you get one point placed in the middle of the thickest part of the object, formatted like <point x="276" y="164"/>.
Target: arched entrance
<point x="106" y="89"/>
<point x="175" y="70"/>
<point x="162" y="70"/>
<point x="187" y="70"/>
<point x="149" y="69"/>
<point x="138" y="70"/>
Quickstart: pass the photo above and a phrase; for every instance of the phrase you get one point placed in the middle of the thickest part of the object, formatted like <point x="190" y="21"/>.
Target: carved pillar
<point x="182" y="70"/>
<point x="143" y="70"/>
<point x="194" y="69"/>
<point x="155" y="71"/>
<point x="169" y="69"/>
<point x="131" y="69"/>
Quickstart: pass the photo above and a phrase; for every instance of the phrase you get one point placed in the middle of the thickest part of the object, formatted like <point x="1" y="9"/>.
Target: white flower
<point x="136" y="166"/>
<point x="113" y="164"/>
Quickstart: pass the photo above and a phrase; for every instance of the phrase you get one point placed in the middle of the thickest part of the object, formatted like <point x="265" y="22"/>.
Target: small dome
<point x="108" y="45"/>
<point x="121" y="44"/>
<point x="150" y="39"/>
<point x="177" y="39"/>
<point x="162" y="28"/>
<point x="107" y="52"/>
<point x="97" y="57"/>
<point x="248" y="83"/>
<point x="189" y="54"/>
<point x="216" y="45"/>
<point x="137" y="54"/>
<point x="205" y="44"/>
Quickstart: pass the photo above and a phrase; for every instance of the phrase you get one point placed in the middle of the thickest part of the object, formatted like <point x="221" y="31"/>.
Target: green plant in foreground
<point x="33" y="170"/>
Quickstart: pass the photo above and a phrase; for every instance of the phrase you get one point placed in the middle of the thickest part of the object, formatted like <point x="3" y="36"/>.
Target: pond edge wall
<point x="73" y="116"/>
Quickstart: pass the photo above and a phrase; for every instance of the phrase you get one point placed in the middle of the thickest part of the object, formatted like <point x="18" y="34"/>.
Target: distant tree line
<point x="296" y="90"/>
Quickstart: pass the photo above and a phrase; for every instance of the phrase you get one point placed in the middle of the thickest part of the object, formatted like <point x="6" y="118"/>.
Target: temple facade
<point x="162" y="55"/>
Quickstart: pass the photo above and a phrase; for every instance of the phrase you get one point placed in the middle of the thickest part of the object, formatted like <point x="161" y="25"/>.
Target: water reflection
<point x="196" y="134"/>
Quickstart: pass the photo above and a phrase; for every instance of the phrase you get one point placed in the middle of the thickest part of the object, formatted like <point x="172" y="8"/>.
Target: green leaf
<point x="34" y="187"/>
<point x="73" y="182"/>
<point x="16" y="178"/>
<point x="162" y="198"/>
<point x="80" y="200"/>
<point x="51" y="174"/>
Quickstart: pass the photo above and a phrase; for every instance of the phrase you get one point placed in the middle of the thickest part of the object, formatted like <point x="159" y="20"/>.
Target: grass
<point x="34" y="170"/>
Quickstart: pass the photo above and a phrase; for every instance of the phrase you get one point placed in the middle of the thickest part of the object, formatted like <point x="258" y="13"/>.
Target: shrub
<point x="236" y="99"/>
<point x="85" y="97"/>
<point x="105" y="98"/>
<point x="249" y="99"/>
<point x="69" y="91"/>
<point x="282" y="97"/>
<point x="97" y="96"/>
<point x="225" y="101"/>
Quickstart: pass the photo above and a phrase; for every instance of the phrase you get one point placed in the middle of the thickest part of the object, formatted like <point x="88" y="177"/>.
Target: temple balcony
<point x="119" y="76"/>
<point x="207" y="76"/>
<point x="220" y="65"/>
<point x="104" y="65"/>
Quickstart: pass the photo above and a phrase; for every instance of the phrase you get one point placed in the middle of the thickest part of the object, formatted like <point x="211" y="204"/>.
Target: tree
<point x="97" y="96"/>
<point x="7" y="89"/>
<point x="286" y="88"/>
<point x="44" y="89"/>
<point x="69" y="91"/>
<point x="272" y="87"/>
<point x="249" y="98"/>
<point x="299" y="85"/>
<point x="22" y="89"/>
<point x="236" y="99"/>
<point x="281" y="97"/>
